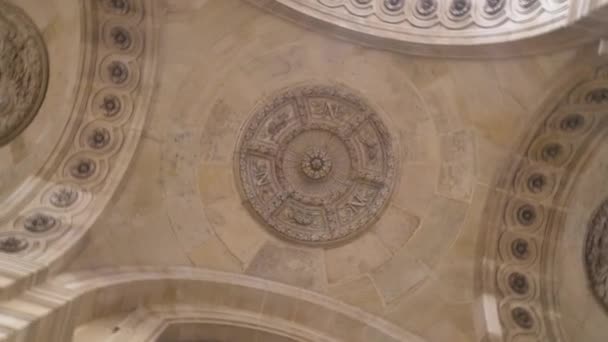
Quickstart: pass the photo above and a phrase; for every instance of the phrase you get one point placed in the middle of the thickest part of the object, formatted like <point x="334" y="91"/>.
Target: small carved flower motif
<point x="522" y="318"/>
<point x="526" y="215"/>
<point x="98" y="138"/>
<point x="394" y="5"/>
<point x="118" y="72"/>
<point x="460" y="8"/>
<point x="527" y="3"/>
<point x="597" y="96"/>
<point x="518" y="283"/>
<point x="520" y="249"/>
<point x="494" y="6"/>
<point x="300" y="217"/>
<point x="572" y="123"/>
<point x="39" y="223"/>
<point x="536" y="182"/>
<point x="120" y="37"/>
<point x="83" y="168"/>
<point x="426" y="7"/>
<point x="110" y="105"/>
<point x="551" y="152"/>
<point x="118" y="6"/>
<point x="64" y="197"/>
<point x="316" y="164"/>
<point x="13" y="244"/>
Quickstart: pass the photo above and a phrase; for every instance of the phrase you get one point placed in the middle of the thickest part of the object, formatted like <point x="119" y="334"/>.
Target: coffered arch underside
<point x="160" y="296"/>
<point x="43" y="222"/>
<point x="539" y="212"/>
<point x="459" y="28"/>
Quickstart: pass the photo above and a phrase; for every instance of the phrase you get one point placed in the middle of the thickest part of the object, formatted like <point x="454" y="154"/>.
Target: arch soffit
<point x="461" y="29"/>
<point x="525" y="215"/>
<point x="72" y="299"/>
<point x="43" y="223"/>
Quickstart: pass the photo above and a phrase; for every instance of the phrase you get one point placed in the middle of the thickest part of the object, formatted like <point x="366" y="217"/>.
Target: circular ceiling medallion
<point x="316" y="164"/>
<point x="596" y="253"/>
<point x="23" y="71"/>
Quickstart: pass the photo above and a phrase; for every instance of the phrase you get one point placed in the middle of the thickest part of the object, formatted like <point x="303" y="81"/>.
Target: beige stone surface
<point x="361" y="292"/>
<point x="455" y="120"/>
<point x="415" y="274"/>
<point x="302" y="268"/>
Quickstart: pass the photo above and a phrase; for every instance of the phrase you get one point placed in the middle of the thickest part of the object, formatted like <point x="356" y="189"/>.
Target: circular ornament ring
<point x="316" y="164"/>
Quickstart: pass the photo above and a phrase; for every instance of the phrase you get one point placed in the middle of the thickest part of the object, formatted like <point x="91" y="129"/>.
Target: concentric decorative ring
<point x="316" y="164"/>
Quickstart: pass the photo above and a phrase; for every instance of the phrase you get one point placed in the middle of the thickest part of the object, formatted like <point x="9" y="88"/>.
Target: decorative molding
<point x="316" y="164"/>
<point x="458" y="28"/>
<point x="117" y="78"/>
<point x="524" y="221"/>
<point x="24" y="71"/>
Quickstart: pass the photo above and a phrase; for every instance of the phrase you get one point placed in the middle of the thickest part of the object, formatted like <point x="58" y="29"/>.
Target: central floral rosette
<point x="316" y="164"/>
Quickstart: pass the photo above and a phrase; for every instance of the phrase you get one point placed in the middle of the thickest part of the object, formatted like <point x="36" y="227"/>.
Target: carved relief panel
<point x="316" y="164"/>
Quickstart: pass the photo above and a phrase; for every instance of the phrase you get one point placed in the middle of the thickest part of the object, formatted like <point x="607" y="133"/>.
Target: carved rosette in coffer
<point x="316" y="164"/>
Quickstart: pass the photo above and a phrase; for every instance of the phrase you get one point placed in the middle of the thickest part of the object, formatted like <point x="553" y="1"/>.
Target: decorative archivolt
<point x="44" y="219"/>
<point x="523" y="221"/>
<point x="454" y="27"/>
<point x="447" y="18"/>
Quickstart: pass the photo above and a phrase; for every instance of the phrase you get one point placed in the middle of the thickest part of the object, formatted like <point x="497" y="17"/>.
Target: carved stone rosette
<point x="316" y="164"/>
<point x="23" y="71"/>
<point x="596" y="253"/>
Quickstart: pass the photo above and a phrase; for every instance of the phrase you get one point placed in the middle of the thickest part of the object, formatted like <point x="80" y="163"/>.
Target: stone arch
<point x="533" y="205"/>
<point x="43" y="222"/>
<point x="73" y="299"/>
<point x="165" y="322"/>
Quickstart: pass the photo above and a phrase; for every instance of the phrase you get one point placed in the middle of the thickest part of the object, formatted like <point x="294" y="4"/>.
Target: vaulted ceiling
<point x="303" y="170"/>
